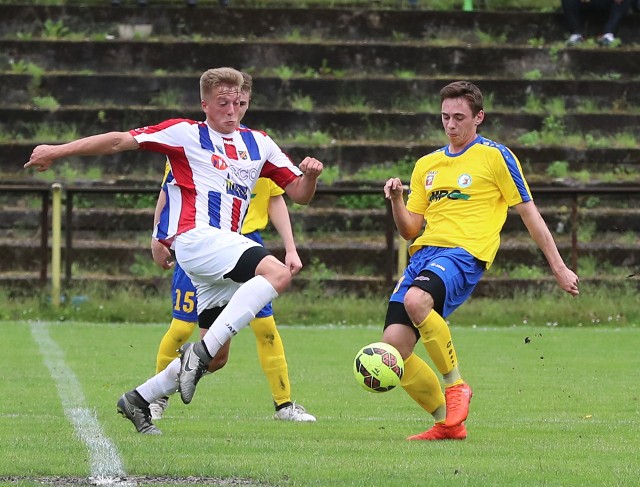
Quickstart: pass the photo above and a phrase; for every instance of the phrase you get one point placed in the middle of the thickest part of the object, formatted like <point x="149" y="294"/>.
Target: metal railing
<point x="44" y="192"/>
<point x="71" y="191"/>
<point x="574" y="193"/>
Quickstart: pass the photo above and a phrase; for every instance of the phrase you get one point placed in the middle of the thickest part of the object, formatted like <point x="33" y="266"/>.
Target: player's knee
<point x="278" y="276"/>
<point x="418" y="304"/>
<point x="181" y="330"/>
<point x="401" y="337"/>
<point x="264" y="328"/>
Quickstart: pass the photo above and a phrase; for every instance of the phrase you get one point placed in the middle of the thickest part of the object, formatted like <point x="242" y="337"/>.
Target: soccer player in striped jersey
<point x="215" y="168"/>
<point x="266" y="203"/>
<point x="462" y="191"/>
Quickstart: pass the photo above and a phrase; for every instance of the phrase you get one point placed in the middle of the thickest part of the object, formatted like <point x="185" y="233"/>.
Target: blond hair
<point x="212" y="78"/>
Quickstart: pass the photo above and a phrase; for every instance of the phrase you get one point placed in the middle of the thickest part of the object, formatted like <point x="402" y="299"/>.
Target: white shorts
<point x="206" y="255"/>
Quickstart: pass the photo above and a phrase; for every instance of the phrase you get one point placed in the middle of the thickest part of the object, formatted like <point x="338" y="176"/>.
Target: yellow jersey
<point x="258" y="213"/>
<point x="464" y="197"/>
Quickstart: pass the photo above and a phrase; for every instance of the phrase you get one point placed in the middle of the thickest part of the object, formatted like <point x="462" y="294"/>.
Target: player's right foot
<point x="441" y="432"/>
<point x="192" y="368"/>
<point x="131" y="408"/>
<point x="457" y="399"/>
<point x="294" y="412"/>
<point x="158" y="406"/>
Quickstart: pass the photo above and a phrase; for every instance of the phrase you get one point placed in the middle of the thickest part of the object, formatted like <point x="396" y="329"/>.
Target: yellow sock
<point x="272" y="359"/>
<point x="179" y="332"/>
<point x="421" y="383"/>
<point x="436" y="337"/>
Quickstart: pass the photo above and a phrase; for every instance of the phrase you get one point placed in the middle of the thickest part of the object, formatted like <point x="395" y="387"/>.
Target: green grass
<point x="616" y="303"/>
<point x="561" y="410"/>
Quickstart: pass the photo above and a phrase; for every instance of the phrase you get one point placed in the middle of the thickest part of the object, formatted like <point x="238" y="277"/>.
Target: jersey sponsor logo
<point x="243" y="174"/>
<point x="464" y="180"/>
<point x="237" y="190"/>
<point x="455" y="194"/>
<point x="219" y="163"/>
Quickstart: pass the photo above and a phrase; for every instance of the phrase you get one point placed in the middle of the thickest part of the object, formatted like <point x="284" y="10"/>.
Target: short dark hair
<point x="466" y="90"/>
<point x="247" y="84"/>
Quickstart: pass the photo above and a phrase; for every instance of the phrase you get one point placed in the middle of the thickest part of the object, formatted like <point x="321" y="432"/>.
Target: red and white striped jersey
<point x="213" y="174"/>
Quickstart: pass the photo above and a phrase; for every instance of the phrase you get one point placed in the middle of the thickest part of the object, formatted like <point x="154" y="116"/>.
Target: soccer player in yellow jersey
<point x="462" y="191"/>
<point x="267" y="203"/>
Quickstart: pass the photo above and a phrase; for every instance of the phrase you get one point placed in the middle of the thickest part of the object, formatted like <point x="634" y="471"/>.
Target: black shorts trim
<point x="429" y="282"/>
<point x="397" y="313"/>
<point x="433" y="284"/>
<point x="208" y="316"/>
<point x="245" y="268"/>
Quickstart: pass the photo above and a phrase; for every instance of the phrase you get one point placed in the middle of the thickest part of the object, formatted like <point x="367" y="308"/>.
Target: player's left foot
<point x="457" y="399"/>
<point x="293" y="412"/>
<point x="441" y="432"/>
<point x="192" y="368"/>
<point x="130" y="407"/>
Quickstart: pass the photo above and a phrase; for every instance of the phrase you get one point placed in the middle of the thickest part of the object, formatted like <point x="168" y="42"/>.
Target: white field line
<point x="106" y="465"/>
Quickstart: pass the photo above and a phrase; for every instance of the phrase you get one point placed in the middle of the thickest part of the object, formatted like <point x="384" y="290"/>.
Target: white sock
<point x="250" y="298"/>
<point x="162" y="384"/>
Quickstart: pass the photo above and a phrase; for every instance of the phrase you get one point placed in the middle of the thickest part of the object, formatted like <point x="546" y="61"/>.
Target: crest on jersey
<point x="464" y="180"/>
<point x="243" y="154"/>
<point x="429" y="182"/>
<point x="219" y="163"/>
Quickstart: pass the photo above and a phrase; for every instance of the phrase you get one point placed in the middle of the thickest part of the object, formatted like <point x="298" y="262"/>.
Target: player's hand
<point x="41" y="158"/>
<point x="311" y="167"/>
<point x="161" y="254"/>
<point x="393" y="189"/>
<point x="568" y="281"/>
<point x="293" y="262"/>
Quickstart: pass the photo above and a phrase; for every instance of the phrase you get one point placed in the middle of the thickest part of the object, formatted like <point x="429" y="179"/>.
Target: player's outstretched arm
<point x="96" y="145"/>
<point x="279" y="216"/>
<point x="302" y="189"/>
<point x="566" y="278"/>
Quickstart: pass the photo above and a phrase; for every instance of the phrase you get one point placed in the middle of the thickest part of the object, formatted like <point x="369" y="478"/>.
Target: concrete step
<point x="378" y="92"/>
<point x="319" y="217"/>
<point x="354" y="125"/>
<point x="320" y="56"/>
<point x="361" y="20"/>
<point x="348" y="156"/>
<point x="344" y="255"/>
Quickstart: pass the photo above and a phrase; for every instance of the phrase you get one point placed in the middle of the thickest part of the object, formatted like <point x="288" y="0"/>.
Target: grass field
<point x="560" y="410"/>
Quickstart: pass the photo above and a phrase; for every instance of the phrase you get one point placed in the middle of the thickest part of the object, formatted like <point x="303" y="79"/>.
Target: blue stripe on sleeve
<point x="514" y="170"/>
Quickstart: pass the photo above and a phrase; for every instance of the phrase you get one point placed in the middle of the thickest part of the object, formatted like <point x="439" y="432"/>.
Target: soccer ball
<point x="378" y="367"/>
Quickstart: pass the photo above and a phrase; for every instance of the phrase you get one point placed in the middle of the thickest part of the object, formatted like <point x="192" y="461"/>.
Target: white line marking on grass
<point x="106" y="465"/>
